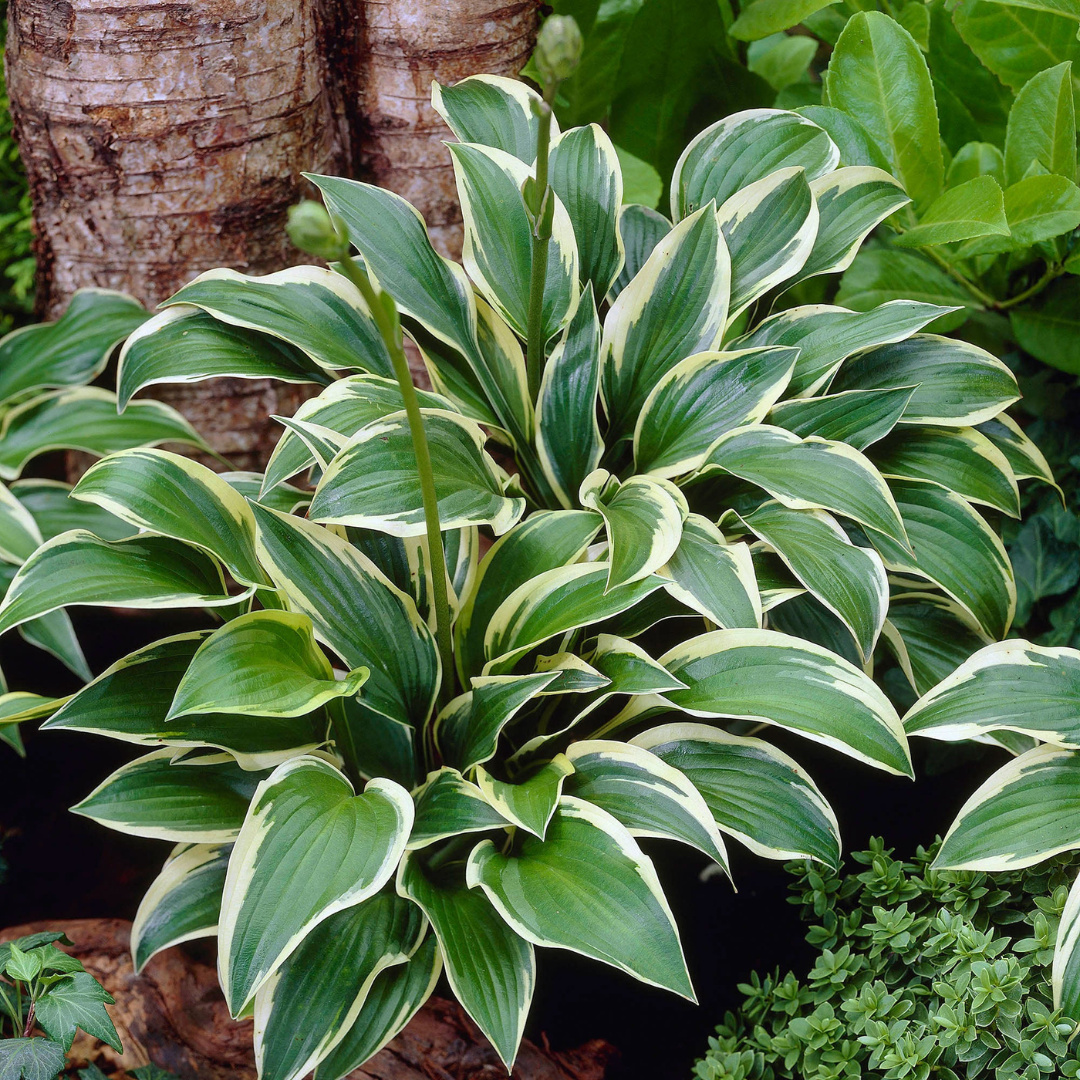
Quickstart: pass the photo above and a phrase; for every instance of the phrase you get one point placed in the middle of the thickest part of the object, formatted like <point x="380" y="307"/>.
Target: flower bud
<point x="558" y="48"/>
<point x="311" y="229"/>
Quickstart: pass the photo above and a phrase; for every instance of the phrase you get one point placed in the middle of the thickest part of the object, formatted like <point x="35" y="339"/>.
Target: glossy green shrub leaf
<point x="879" y="76"/>
<point x="974" y="208"/>
<point x="1042" y="126"/>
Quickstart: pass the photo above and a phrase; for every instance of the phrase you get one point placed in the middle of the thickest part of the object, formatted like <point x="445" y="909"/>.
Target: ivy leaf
<point x="77" y="1002"/>
<point x="30" y="1059"/>
<point x="23" y="966"/>
<point x="151" y="1072"/>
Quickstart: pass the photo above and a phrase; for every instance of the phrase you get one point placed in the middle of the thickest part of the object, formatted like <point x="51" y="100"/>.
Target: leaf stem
<point x="1052" y="272"/>
<point x="391" y="334"/>
<point x="535" y="343"/>
<point x="984" y="298"/>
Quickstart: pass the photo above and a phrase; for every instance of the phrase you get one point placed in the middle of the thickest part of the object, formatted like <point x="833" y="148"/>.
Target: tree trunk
<point x="165" y="137"/>
<point x="404" y="44"/>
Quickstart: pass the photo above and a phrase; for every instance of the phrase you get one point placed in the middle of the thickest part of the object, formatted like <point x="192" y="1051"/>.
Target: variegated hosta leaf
<point x="345" y="406"/>
<point x="202" y="802"/>
<point x="71" y="351"/>
<point x="131" y="699"/>
<point x="624" y="667"/>
<point x="54" y="512"/>
<point x="754" y="792"/>
<point x="584" y="172"/>
<point x="545" y="540"/>
<point x="714" y="577"/>
<point x="321" y="443"/>
<point x="467" y="730"/>
<point x="86" y="419"/>
<point x="318" y="993"/>
<point x="931" y="636"/>
<point x="19" y="706"/>
<point x="809" y="474"/>
<point x="319" y="311"/>
<point x="392" y="1001"/>
<point x="355" y="610"/>
<point x="675" y="306"/>
<point x="644" y="519"/>
<point x="183" y="903"/>
<point x="492" y="110"/>
<point x="956" y="550"/>
<point x="552" y="603"/>
<point x="1011" y="685"/>
<point x="769" y="227"/>
<point x="549" y="892"/>
<point x="745" y="147"/>
<point x="498" y="245"/>
<point x="1024" y="457"/>
<point x="175" y="496"/>
<point x="960" y="459"/>
<point x="449" y="805"/>
<point x="434" y="291"/>
<point x="308" y="848"/>
<point x="567" y="430"/>
<point x="265" y="663"/>
<point x="826" y="335"/>
<point x="1025" y="813"/>
<point x="1065" y="973"/>
<point x="850" y="581"/>
<point x="528" y="804"/>
<point x="857" y="417"/>
<point x="640" y="230"/>
<point x="56" y="635"/>
<point x="141" y="572"/>
<point x="771" y="678"/>
<point x="19" y="532"/>
<point x="957" y="384"/>
<point x="374" y="482"/>
<point x="184" y="344"/>
<point x="491" y="970"/>
<point x="851" y="202"/>
<point x="702" y="398"/>
<point x="644" y="793"/>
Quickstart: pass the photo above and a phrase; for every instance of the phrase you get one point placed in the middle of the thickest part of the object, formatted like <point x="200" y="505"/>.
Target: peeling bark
<point x="403" y="46"/>
<point x="173" y="1015"/>
<point x="165" y="137"/>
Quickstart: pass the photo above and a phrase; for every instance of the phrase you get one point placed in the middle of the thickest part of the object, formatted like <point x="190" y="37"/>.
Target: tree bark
<point x="165" y="137"/>
<point x="404" y="44"/>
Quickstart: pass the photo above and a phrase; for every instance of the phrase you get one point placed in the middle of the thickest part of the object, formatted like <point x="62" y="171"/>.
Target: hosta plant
<point x="47" y="405"/>
<point x="403" y="750"/>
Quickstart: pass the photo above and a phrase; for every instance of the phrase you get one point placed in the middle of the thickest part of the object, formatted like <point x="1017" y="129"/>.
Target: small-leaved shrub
<point x="921" y="973"/>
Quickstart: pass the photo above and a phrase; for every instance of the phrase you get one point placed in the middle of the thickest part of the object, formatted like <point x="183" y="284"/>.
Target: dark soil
<point x="62" y="866"/>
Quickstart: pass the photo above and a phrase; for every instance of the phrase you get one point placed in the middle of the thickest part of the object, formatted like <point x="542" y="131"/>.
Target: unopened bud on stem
<point x="313" y="230"/>
<point x="558" y="49"/>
